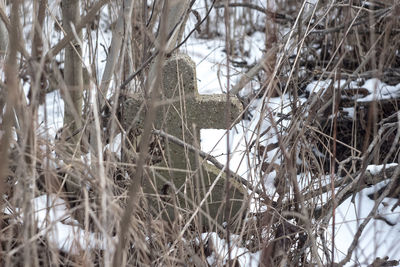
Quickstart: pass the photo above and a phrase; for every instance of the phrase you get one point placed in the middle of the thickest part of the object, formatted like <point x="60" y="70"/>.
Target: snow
<point x="379" y="239"/>
<point x="349" y="111"/>
<point x="374" y="169"/>
<point x="210" y="60"/>
<point x="210" y="57"/>
<point x="115" y="146"/>
<point x="220" y="256"/>
<point x="316" y="86"/>
<point x="379" y="90"/>
<point x="53" y="221"/>
<point x="51" y="114"/>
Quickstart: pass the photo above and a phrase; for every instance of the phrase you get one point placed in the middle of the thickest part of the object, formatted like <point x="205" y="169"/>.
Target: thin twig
<point x="362" y="20"/>
<point x="272" y="14"/>
<point x="79" y="26"/>
<point x="147" y="62"/>
<point x="135" y="186"/>
<point x="369" y="217"/>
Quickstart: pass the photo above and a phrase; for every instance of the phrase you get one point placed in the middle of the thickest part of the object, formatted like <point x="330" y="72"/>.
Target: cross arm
<point x="209" y="111"/>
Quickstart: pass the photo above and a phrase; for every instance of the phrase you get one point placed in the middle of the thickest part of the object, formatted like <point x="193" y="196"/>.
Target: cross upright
<point x="182" y="114"/>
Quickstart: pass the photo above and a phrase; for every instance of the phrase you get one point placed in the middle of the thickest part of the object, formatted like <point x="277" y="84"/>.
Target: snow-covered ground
<point x="379" y="239"/>
<point x="54" y="221"/>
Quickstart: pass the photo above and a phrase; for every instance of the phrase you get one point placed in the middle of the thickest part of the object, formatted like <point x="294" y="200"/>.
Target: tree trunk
<point x="74" y="82"/>
<point x="175" y="21"/>
<point x="3" y="35"/>
<point x="116" y="44"/>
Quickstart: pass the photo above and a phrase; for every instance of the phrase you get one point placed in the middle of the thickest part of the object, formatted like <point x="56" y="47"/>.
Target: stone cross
<point x="182" y="114"/>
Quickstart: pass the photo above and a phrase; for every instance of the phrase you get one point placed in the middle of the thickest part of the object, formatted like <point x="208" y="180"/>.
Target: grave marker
<point x="183" y="109"/>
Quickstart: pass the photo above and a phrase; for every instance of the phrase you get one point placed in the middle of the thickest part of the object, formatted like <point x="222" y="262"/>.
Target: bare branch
<point x="209" y="157"/>
<point x="274" y="15"/>
<point x="79" y="26"/>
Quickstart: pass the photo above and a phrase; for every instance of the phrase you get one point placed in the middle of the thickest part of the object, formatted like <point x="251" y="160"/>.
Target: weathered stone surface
<point x="182" y="114"/>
